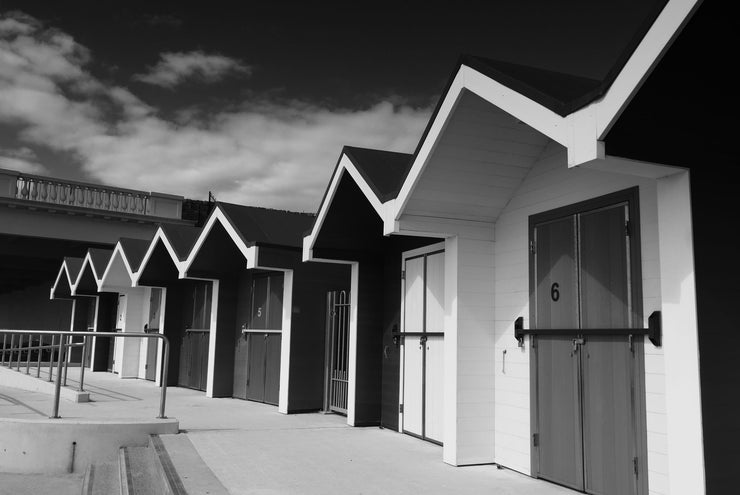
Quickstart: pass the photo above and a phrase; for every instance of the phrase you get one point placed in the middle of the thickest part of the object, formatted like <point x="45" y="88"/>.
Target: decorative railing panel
<point x="86" y="196"/>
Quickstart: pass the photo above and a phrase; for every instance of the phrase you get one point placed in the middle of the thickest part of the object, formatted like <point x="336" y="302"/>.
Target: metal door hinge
<point x="403" y="274"/>
<point x="627" y="228"/>
<point x="400" y="408"/>
<point x="146" y="366"/>
<point x="536" y="439"/>
<point x="532" y="247"/>
<point x="635" y="464"/>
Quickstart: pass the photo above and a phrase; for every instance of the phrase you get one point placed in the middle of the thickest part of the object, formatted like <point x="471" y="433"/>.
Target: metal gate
<point x="337" y="351"/>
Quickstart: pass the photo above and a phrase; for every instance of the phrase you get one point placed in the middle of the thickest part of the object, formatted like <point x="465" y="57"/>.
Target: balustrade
<point x="85" y="196"/>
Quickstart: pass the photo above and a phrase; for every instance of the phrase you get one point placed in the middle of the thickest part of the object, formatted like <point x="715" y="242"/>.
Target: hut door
<point x="195" y="342"/>
<point x="262" y="339"/>
<point x="586" y="386"/>
<point x="337" y="351"/>
<point x="155" y="304"/>
<point x="423" y="345"/>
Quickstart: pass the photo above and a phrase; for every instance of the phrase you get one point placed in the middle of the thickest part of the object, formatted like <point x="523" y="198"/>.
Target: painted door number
<point x="555" y="292"/>
<point x="259" y="312"/>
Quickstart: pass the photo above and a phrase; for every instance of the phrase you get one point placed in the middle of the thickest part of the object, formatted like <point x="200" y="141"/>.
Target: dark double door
<point x="193" y="370"/>
<point x="587" y="385"/>
<point x="259" y="341"/>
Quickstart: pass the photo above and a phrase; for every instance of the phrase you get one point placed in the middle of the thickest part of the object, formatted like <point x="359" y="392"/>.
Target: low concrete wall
<point x="55" y="446"/>
<point x="19" y="379"/>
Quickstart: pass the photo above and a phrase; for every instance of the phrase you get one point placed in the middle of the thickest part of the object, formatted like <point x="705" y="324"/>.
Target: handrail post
<point x="5" y="339"/>
<point x="67" y="355"/>
<point x="28" y="353"/>
<point x="163" y="396"/>
<point x="38" y="355"/>
<point x="10" y="356"/>
<point x="20" y="348"/>
<point x="58" y="383"/>
<point x="51" y="358"/>
<point x="82" y="364"/>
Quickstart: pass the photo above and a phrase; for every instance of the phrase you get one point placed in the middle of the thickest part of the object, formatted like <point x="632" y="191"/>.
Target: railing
<point x="70" y="193"/>
<point x="13" y="351"/>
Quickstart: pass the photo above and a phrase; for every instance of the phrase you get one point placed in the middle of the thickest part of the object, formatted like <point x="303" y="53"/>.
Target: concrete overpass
<point x="44" y="219"/>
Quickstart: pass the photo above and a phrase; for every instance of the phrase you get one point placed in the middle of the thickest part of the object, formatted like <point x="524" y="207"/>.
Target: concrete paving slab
<point x="253" y="449"/>
<point x="18" y="484"/>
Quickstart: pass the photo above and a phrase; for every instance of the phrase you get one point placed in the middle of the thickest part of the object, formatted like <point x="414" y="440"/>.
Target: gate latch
<point x="578" y="341"/>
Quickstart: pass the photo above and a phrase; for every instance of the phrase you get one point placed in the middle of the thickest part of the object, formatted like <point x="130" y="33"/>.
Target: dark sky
<point x="349" y="53"/>
<point x="304" y="78"/>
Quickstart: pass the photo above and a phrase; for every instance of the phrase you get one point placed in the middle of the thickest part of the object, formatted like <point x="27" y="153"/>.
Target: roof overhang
<point x="218" y="216"/>
<point x="63" y="287"/>
<point x="119" y="273"/>
<point x="88" y="280"/>
<point x="581" y="132"/>
<point x="344" y="166"/>
<point x="159" y="237"/>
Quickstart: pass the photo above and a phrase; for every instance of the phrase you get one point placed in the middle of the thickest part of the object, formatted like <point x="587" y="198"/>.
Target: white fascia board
<point x="216" y="216"/>
<point x="642" y="61"/>
<point x="310" y="239"/>
<point x="515" y="104"/>
<point x="85" y="262"/>
<point x="159" y="236"/>
<point x="62" y="269"/>
<point x="345" y="164"/>
<point x="117" y="252"/>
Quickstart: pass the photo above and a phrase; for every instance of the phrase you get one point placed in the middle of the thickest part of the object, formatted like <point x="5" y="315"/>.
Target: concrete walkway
<point x="253" y="449"/>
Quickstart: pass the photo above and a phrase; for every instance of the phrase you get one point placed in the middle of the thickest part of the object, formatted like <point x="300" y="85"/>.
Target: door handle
<point x="577" y="342"/>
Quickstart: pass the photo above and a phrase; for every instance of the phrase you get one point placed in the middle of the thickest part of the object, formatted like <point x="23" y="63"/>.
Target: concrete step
<point x="140" y="472"/>
<point x="101" y="479"/>
<point x="185" y="470"/>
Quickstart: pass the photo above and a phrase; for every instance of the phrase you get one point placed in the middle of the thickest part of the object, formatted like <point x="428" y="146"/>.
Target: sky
<point x="253" y="101"/>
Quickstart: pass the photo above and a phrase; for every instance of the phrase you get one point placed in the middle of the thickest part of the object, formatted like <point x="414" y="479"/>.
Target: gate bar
<point x="653" y="332"/>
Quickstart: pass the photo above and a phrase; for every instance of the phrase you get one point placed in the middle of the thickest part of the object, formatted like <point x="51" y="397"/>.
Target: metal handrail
<point x="64" y="348"/>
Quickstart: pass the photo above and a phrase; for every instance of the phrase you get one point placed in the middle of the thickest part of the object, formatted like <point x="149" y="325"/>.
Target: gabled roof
<point x="379" y="175"/>
<point x="67" y="276"/>
<point x="265" y="226"/>
<point x="134" y="250"/>
<point x="561" y="93"/>
<point x="98" y="258"/>
<point x="178" y="241"/>
<point x="181" y="238"/>
<point x="384" y="171"/>
<point x="130" y="252"/>
<point x="251" y="227"/>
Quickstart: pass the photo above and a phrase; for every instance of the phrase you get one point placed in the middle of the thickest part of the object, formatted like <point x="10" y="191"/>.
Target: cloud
<point x="262" y="152"/>
<point x="174" y="68"/>
<point x="22" y="160"/>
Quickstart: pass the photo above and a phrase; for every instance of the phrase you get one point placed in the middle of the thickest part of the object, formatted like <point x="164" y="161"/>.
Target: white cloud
<point x="22" y="160"/>
<point x="265" y="153"/>
<point x="174" y="68"/>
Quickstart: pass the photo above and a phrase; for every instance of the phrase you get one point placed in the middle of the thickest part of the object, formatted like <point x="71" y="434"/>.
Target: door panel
<point x="604" y="268"/>
<point x="558" y="414"/>
<point x="560" y="454"/>
<point x="258" y="320"/>
<point x="435" y="292"/>
<point x="414" y="296"/>
<point x="256" y="367"/>
<point x="412" y="385"/>
<point x="434" y="388"/>
<point x="272" y="368"/>
<point x="240" y="366"/>
<point x="555" y="270"/>
<point x="275" y="303"/>
<point x="608" y="428"/>
<point x="586" y="402"/>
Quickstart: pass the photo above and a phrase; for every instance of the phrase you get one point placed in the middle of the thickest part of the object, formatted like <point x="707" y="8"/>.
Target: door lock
<point x="578" y="341"/>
